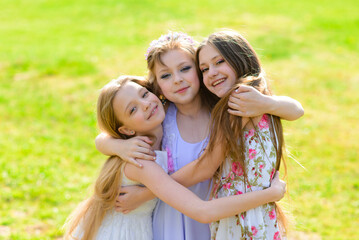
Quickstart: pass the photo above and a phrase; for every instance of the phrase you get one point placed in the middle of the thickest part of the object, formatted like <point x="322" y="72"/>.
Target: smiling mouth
<point x="154" y="110"/>
<point x="219" y="81"/>
<point x="182" y="90"/>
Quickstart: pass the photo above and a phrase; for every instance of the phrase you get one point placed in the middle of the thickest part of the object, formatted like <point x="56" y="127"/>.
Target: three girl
<point x="172" y="70"/>
<point x="126" y="108"/>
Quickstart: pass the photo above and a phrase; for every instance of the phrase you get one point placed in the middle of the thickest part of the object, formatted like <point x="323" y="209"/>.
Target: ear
<point x="126" y="131"/>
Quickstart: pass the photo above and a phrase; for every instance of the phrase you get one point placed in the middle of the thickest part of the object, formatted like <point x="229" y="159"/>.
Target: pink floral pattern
<point x="261" y="222"/>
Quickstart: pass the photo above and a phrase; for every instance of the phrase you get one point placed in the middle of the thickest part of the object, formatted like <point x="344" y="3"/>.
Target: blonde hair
<point x="175" y="41"/>
<point x="89" y="214"/>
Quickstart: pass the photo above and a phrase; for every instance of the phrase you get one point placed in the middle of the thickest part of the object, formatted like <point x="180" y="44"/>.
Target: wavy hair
<point x="86" y="219"/>
<point x="226" y="129"/>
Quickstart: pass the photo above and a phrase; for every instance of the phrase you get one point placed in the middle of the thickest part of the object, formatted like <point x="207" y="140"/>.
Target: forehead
<point x="173" y="57"/>
<point x="208" y="52"/>
<point x="125" y="95"/>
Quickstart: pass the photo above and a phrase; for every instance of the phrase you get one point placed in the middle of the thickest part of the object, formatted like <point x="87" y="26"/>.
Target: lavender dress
<point x="168" y="223"/>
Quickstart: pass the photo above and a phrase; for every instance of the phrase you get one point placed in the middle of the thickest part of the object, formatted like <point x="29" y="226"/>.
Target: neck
<point x="157" y="134"/>
<point x="191" y="109"/>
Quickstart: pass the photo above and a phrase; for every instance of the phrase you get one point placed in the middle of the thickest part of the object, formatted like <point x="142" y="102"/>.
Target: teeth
<point x="153" y="111"/>
<point x="218" y="82"/>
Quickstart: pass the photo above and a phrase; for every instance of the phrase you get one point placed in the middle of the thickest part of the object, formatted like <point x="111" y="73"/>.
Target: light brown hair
<point x="226" y="128"/>
<point x="175" y="41"/>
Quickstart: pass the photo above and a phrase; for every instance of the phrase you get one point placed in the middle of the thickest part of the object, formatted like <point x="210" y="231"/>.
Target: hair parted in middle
<point x="175" y="41"/>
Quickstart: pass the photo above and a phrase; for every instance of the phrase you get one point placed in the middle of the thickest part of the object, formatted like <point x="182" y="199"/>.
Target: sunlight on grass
<point x="55" y="55"/>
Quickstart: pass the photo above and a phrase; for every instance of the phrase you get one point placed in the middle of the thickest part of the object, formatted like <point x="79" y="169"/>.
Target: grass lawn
<point x="55" y="55"/>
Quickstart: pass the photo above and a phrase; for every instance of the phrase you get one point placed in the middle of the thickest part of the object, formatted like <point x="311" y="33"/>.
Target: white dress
<point x="136" y="225"/>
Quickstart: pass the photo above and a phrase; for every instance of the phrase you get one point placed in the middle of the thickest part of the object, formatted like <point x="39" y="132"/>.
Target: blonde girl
<point x="171" y="65"/>
<point x="253" y="147"/>
<point x="126" y="108"/>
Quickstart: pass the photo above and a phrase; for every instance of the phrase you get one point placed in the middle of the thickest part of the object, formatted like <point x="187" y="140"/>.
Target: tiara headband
<point x="172" y="36"/>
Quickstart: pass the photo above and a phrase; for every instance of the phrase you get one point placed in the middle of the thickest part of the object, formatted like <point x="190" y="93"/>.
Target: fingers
<point x="146" y="151"/>
<point x="143" y="156"/>
<point x="145" y="148"/>
<point x="134" y="162"/>
<point x="235" y="104"/>
<point x="243" y="88"/>
<point x="122" y="210"/>
<point x="145" y="139"/>
<point x="236" y="112"/>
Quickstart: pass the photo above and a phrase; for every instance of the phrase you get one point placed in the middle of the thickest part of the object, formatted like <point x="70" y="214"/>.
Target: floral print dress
<point x="260" y="163"/>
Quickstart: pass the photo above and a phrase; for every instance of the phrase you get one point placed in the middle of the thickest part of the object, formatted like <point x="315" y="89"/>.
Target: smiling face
<point x="138" y="109"/>
<point x="218" y="76"/>
<point x="177" y="77"/>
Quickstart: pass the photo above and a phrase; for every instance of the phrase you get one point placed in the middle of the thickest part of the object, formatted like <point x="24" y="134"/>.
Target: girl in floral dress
<point x="171" y="67"/>
<point x="253" y="146"/>
<point x="126" y="108"/>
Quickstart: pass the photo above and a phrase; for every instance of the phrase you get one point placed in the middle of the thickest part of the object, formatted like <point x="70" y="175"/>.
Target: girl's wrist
<point x="272" y="194"/>
<point x="270" y="104"/>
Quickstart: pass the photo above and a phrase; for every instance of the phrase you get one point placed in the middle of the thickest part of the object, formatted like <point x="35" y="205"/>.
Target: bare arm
<point x="185" y="201"/>
<point x="200" y="169"/>
<point x="129" y="150"/>
<point x="194" y="172"/>
<point x="247" y="101"/>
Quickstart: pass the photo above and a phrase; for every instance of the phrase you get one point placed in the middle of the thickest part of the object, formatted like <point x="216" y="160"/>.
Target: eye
<point x="165" y="76"/>
<point x="145" y="94"/>
<point x="204" y="70"/>
<point x="186" y="68"/>
<point x="220" y="61"/>
<point x="132" y="110"/>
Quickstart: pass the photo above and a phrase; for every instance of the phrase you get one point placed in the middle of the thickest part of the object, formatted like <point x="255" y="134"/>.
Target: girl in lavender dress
<point x="126" y="108"/>
<point x="171" y="65"/>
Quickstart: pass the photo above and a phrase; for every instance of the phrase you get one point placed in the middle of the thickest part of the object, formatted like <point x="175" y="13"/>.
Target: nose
<point x="145" y="104"/>
<point x="178" y="78"/>
<point x="212" y="71"/>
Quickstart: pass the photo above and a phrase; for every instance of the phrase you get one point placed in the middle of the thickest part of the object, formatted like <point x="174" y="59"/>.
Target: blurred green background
<point x="55" y="55"/>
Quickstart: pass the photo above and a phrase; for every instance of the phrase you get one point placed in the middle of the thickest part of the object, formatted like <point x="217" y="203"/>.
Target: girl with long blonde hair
<point x="125" y="108"/>
<point x="173" y="72"/>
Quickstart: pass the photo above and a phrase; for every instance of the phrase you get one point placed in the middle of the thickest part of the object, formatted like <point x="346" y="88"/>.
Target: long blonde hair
<point x="89" y="214"/>
<point x="175" y="41"/>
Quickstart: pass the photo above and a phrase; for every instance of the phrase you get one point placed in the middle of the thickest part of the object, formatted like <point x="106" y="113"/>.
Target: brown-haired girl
<point x="172" y="70"/>
<point x="125" y="108"/>
<point x="253" y="147"/>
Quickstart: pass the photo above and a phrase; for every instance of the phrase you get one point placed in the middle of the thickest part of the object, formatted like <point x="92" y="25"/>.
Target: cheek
<point x="195" y="79"/>
<point x="205" y="80"/>
<point x="164" y="87"/>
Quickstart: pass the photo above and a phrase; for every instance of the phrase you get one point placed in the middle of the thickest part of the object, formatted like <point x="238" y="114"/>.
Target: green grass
<point x="55" y="55"/>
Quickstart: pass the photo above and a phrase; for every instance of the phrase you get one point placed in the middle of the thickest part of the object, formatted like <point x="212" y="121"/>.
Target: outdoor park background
<point x="56" y="55"/>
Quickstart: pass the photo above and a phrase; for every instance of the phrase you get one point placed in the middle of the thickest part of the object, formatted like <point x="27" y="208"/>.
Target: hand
<point x="246" y="101"/>
<point x="278" y="187"/>
<point x="128" y="199"/>
<point x="137" y="148"/>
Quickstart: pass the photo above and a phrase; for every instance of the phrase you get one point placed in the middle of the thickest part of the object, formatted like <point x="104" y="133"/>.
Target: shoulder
<point x="149" y="169"/>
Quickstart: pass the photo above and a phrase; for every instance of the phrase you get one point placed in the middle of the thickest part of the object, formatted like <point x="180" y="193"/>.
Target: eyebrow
<point x="211" y="59"/>
<point x="180" y="64"/>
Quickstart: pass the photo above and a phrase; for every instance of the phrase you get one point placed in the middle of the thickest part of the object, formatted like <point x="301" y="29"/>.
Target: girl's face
<point x="178" y="77"/>
<point x="138" y="109"/>
<point x="218" y="76"/>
